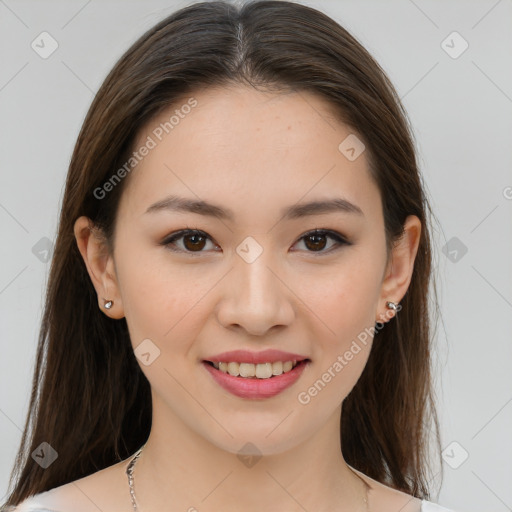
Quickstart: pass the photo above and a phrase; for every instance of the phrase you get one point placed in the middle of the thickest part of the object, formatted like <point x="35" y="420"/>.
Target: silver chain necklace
<point x="131" y="467"/>
<point x="129" y="472"/>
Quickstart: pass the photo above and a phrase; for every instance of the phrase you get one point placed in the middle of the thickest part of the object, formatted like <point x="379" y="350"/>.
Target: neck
<point x="180" y="467"/>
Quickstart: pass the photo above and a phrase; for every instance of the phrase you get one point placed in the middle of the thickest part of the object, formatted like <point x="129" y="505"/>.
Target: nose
<point x="256" y="297"/>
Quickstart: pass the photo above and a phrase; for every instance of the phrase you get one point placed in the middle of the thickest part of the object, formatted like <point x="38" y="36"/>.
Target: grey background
<point x="461" y="112"/>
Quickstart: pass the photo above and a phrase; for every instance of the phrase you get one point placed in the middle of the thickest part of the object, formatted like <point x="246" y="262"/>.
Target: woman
<point x="237" y="311"/>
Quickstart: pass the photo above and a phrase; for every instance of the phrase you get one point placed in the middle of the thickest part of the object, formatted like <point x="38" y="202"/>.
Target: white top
<point x="427" y="506"/>
<point x="33" y="504"/>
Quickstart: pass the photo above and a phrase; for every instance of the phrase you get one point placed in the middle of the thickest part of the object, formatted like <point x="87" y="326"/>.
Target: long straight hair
<point x="90" y="400"/>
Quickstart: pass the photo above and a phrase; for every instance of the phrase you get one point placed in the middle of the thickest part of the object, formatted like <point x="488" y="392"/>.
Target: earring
<point x="391" y="305"/>
<point x="108" y="304"/>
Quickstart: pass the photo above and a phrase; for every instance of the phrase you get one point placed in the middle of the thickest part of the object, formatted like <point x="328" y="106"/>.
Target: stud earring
<point x="108" y="304"/>
<point x="389" y="305"/>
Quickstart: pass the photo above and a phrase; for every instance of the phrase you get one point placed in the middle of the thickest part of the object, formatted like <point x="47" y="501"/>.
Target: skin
<point x="254" y="153"/>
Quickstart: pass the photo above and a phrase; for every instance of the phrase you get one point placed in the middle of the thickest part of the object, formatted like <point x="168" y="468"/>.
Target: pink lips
<point x="254" y="388"/>
<point x="245" y="356"/>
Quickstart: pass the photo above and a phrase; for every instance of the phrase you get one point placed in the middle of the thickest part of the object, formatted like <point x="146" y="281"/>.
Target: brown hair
<point x="90" y="400"/>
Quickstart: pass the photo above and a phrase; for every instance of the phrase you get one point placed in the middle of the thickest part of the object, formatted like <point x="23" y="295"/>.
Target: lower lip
<point x="255" y="388"/>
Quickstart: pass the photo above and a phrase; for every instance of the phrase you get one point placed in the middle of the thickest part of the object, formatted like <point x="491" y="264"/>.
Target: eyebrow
<point x="296" y="211"/>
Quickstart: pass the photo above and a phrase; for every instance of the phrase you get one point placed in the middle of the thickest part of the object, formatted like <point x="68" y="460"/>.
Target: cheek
<point x="343" y="316"/>
<point x="342" y="345"/>
<point x="344" y="301"/>
<point x="164" y="301"/>
<point x="155" y="295"/>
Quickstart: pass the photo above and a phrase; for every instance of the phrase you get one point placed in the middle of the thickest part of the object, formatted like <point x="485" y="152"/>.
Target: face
<point x="255" y="278"/>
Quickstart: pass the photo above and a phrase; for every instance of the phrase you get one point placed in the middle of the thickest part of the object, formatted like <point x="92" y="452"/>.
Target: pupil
<point x="194" y="244"/>
<point x="310" y="237"/>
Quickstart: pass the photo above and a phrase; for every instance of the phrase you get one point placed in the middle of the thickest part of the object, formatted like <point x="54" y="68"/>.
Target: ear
<point x="400" y="267"/>
<point x="100" y="266"/>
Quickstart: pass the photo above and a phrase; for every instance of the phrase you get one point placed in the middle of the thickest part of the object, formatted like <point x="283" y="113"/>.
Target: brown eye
<point x="193" y="241"/>
<point x="316" y="241"/>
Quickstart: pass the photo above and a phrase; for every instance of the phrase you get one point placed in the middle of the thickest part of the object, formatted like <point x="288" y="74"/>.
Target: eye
<point x="194" y="240"/>
<point x="316" y="239"/>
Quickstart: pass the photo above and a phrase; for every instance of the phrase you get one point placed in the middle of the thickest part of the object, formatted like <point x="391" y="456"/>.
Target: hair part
<point x="90" y="400"/>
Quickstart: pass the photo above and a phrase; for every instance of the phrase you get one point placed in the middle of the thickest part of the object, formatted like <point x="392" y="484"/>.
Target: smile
<point x="255" y="381"/>
<point x="260" y="371"/>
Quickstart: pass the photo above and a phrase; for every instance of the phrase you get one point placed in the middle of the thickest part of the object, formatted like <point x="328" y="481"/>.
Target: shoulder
<point x="392" y="500"/>
<point x="388" y="499"/>
<point x="104" y="490"/>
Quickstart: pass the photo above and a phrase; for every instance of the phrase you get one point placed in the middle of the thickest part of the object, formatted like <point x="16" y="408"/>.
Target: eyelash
<point x="339" y="239"/>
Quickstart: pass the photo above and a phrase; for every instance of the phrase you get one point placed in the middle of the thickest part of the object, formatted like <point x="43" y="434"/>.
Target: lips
<point x="255" y="388"/>
<point x="246" y="356"/>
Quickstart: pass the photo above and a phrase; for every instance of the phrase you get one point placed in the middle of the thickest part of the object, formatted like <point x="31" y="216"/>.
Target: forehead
<point x="240" y="146"/>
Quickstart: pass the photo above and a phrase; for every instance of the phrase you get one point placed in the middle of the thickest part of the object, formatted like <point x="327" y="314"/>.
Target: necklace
<point x="129" y="472"/>
<point x="131" y="467"/>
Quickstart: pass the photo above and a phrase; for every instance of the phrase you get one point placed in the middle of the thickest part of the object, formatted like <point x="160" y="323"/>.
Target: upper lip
<point x="246" y="356"/>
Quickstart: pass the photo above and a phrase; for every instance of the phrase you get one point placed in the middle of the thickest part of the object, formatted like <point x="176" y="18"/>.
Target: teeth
<point x="234" y="369"/>
<point x="260" y="371"/>
<point x="277" y="368"/>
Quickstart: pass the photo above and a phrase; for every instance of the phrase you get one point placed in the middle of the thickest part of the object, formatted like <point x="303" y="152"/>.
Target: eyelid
<point x="176" y="235"/>
<point x="340" y="240"/>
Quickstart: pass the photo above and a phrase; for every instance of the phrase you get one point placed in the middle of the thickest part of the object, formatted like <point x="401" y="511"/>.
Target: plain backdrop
<point x="457" y="89"/>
